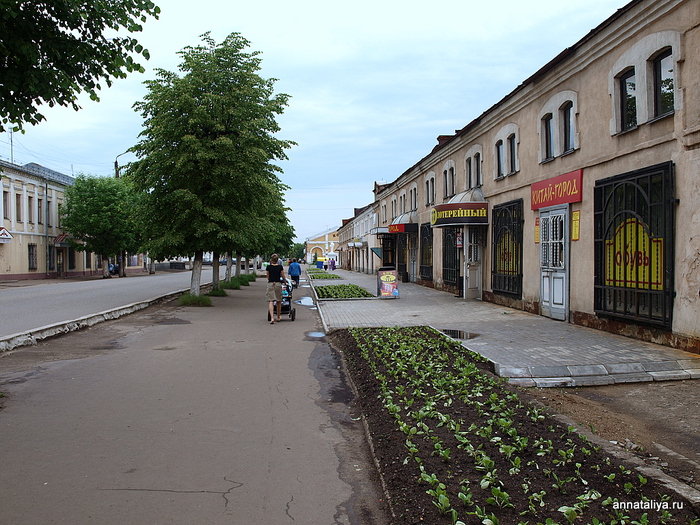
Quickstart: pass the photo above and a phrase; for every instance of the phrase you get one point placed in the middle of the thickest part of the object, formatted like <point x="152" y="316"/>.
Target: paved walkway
<point x="530" y="350"/>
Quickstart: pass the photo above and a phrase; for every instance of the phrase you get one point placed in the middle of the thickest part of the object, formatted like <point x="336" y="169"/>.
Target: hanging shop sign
<point x="459" y="214"/>
<point x="410" y="227"/>
<point x="5" y="236"/>
<point x="564" y="189"/>
<point x="633" y="258"/>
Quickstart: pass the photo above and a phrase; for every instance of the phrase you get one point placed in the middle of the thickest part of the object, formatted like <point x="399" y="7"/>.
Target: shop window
<point x="628" y="100"/>
<point x="32" y="252"/>
<point x="663" y="83"/>
<point x="426" y="252"/>
<point x="507" y="249"/>
<point x="633" y="246"/>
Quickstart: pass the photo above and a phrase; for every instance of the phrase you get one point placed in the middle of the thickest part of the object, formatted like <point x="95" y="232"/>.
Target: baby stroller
<point x="287" y="308"/>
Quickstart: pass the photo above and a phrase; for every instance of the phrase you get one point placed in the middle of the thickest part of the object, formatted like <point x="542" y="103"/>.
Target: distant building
<point x="357" y="250"/>
<point x="321" y="245"/>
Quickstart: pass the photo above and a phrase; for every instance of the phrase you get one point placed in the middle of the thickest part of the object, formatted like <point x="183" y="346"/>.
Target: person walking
<point x="295" y="272"/>
<point x="275" y="278"/>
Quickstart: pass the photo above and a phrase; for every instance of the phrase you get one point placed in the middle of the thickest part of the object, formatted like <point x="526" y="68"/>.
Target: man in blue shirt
<point x="294" y="272"/>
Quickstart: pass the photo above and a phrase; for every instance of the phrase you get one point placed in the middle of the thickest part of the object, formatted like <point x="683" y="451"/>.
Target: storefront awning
<point x="405" y="223"/>
<point x="472" y="195"/>
<point x="62" y="240"/>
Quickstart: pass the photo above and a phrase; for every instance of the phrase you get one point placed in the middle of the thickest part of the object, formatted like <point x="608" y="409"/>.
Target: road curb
<point x="35" y="335"/>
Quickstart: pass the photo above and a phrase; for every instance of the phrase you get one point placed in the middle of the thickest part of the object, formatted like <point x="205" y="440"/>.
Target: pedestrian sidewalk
<point x="528" y="349"/>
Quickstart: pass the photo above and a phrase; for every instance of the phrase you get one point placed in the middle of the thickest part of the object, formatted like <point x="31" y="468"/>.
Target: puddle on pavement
<point x="305" y="301"/>
<point x="459" y="334"/>
<point x="304" y="286"/>
<point x="315" y="336"/>
<point x="174" y="320"/>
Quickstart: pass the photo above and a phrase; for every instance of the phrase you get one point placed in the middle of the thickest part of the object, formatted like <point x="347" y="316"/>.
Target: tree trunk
<point x="215" y="269"/>
<point x="105" y="267"/>
<point x="238" y="264"/>
<point x="196" y="272"/>
<point x="122" y="264"/>
<point x="229" y="265"/>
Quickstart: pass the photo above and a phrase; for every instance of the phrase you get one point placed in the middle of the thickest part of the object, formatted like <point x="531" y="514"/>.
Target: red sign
<point x="403" y="228"/>
<point x="563" y="189"/>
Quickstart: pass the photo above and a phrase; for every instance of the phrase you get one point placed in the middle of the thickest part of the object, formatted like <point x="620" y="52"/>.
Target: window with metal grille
<point x="634" y="237"/>
<point x="552" y="241"/>
<point x="450" y="255"/>
<point x="426" y="252"/>
<point x="507" y="265"/>
<point x="32" y="252"/>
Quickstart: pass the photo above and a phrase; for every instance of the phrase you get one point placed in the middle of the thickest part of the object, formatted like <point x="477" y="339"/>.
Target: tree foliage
<point x="205" y="158"/>
<point x="52" y="50"/>
<point x="99" y="212"/>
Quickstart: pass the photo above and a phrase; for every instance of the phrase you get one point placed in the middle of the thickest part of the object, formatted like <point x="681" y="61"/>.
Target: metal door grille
<point x="450" y="256"/>
<point x="507" y="265"/>
<point x="426" y="252"/>
<point x="634" y="238"/>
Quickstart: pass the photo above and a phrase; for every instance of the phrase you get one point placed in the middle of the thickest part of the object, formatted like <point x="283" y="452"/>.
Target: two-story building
<point x="576" y="195"/>
<point x="32" y="244"/>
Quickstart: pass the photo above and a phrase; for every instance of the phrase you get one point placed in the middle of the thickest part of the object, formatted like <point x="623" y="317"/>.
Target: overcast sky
<point x="372" y="85"/>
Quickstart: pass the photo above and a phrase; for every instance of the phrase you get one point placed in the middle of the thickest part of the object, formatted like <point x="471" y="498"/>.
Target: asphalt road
<point x="27" y="307"/>
<point x="184" y="415"/>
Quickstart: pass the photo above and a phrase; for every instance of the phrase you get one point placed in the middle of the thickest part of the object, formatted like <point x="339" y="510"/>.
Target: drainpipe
<point x="46" y="226"/>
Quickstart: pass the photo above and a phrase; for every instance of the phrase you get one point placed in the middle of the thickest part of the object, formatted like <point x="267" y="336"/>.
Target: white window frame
<point x="555" y="105"/>
<point x="502" y="135"/>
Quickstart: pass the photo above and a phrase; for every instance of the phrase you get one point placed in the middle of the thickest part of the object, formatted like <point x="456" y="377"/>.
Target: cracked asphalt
<point x="185" y="415"/>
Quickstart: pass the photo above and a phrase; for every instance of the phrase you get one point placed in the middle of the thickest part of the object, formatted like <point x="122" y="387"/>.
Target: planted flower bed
<point x="457" y="445"/>
<point x="341" y="291"/>
<point x="323" y="275"/>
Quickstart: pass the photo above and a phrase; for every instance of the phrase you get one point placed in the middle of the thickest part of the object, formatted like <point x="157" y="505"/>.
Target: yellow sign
<point x="507" y="255"/>
<point x="633" y="258"/>
<point x="388" y="277"/>
<point x="537" y="230"/>
<point x="575" y="225"/>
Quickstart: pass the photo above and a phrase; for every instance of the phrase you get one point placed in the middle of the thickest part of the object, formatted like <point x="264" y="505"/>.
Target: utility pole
<point x="116" y="164"/>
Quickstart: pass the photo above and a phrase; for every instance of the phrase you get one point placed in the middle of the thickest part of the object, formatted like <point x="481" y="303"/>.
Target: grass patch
<point x="323" y="275"/>
<point x="232" y="284"/>
<point x="217" y="292"/>
<point x="459" y="446"/>
<point x="194" y="300"/>
<point x="341" y="291"/>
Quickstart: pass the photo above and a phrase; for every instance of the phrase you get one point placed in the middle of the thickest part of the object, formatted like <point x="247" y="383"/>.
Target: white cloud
<point x="372" y="84"/>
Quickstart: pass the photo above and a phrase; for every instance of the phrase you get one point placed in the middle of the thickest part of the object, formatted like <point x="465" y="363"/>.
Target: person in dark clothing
<point x="275" y="279"/>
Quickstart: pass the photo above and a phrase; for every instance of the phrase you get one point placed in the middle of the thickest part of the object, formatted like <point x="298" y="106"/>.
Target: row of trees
<point x="205" y="177"/>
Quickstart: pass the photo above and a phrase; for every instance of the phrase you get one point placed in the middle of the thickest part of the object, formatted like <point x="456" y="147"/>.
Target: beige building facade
<point x="577" y="196"/>
<point x="357" y="248"/>
<point x="32" y="244"/>
<point x="322" y="245"/>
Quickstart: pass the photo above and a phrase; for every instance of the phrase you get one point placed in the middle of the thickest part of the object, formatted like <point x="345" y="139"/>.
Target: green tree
<point x="52" y="50"/>
<point x="205" y="159"/>
<point x="99" y="213"/>
<point x="297" y="250"/>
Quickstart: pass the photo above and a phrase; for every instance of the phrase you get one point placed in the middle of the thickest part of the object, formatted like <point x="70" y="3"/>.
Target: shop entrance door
<point x="473" y="256"/>
<point x="554" y="257"/>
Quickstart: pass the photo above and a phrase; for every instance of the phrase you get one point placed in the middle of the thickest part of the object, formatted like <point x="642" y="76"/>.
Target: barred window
<point x="32" y="251"/>
<point x="507" y="265"/>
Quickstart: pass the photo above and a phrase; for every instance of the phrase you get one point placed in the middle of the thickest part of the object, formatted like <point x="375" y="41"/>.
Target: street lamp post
<point x="116" y="164"/>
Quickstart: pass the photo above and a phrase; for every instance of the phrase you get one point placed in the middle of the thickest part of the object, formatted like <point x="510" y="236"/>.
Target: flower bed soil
<point x="455" y="443"/>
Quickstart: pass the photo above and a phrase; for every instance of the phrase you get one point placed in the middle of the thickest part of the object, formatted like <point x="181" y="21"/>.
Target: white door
<point x="473" y="260"/>
<point x="554" y="256"/>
